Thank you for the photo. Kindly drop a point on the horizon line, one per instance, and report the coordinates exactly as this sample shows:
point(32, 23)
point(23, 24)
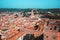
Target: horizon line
point(29, 8)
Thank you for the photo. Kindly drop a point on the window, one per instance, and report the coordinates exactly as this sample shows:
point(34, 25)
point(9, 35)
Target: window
point(50, 28)
point(0, 37)
point(19, 30)
point(55, 27)
point(46, 36)
point(59, 30)
point(53, 37)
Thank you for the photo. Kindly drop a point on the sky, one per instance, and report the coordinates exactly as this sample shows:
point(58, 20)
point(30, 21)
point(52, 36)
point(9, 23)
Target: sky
point(29, 3)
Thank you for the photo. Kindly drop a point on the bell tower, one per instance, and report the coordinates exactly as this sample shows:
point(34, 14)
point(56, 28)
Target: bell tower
point(32, 14)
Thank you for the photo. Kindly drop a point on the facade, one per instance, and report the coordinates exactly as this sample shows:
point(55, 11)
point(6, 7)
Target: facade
point(51, 31)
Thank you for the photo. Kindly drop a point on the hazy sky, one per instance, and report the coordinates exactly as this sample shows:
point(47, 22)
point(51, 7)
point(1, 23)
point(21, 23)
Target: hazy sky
point(29, 3)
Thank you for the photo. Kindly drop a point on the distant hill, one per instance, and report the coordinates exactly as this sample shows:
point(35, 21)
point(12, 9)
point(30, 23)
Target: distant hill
point(53, 10)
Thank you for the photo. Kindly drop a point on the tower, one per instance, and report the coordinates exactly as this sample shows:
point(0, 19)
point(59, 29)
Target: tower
point(32, 14)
